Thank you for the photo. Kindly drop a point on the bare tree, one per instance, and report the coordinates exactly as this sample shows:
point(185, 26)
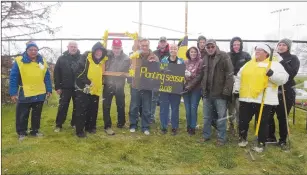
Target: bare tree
point(50, 54)
point(25, 20)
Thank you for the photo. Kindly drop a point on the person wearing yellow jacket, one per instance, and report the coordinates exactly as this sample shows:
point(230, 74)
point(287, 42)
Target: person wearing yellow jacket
point(251, 81)
point(29, 85)
point(88, 76)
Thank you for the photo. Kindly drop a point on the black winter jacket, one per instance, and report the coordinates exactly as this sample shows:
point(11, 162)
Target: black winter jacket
point(63, 73)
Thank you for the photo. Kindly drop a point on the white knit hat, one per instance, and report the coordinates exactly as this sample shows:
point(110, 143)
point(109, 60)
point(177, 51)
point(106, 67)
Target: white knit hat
point(265, 47)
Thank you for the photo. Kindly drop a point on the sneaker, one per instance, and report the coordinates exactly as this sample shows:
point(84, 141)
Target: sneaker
point(220, 143)
point(120, 126)
point(163, 131)
point(188, 129)
point(259, 148)
point(38, 134)
point(283, 145)
point(109, 131)
point(92, 131)
point(132, 130)
point(203, 140)
point(146, 132)
point(57, 129)
point(243, 143)
point(81, 135)
point(192, 131)
point(21, 137)
point(197, 126)
point(174, 131)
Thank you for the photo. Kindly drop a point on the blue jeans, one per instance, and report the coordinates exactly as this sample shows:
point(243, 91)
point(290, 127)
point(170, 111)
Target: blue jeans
point(140, 98)
point(191, 102)
point(155, 99)
point(168, 100)
point(221, 108)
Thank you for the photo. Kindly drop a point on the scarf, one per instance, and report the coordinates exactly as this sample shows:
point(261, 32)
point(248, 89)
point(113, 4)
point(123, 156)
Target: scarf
point(165, 51)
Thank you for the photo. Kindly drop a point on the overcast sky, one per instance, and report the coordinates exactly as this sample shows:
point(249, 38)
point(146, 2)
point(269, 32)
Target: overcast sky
point(218, 20)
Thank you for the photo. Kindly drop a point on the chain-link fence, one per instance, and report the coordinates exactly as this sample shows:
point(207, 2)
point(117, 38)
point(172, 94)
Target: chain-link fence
point(51, 49)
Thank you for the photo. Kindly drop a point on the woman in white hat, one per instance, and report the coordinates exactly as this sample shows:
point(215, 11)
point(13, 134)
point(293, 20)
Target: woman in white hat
point(251, 81)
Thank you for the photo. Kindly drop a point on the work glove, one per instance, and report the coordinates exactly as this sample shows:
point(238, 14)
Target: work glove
point(187, 73)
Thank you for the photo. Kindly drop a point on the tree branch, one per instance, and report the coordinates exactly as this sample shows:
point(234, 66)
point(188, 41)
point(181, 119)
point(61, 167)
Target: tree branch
point(31, 11)
point(8, 13)
point(23, 25)
point(35, 32)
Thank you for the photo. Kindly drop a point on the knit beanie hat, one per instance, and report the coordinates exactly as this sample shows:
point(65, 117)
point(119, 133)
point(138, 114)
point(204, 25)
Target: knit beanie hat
point(30, 44)
point(286, 41)
point(265, 47)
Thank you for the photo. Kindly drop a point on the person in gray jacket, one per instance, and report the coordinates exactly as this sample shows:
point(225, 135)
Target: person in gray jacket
point(114, 86)
point(217, 81)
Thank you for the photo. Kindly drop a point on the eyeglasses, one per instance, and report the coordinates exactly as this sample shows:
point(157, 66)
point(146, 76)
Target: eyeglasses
point(212, 47)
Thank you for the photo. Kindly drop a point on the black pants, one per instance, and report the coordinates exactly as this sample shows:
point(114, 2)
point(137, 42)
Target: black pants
point(281, 116)
point(86, 112)
point(64, 101)
point(247, 111)
point(108, 93)
point(22, 116)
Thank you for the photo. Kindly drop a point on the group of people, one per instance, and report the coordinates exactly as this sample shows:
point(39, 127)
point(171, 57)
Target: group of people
point(233, 82)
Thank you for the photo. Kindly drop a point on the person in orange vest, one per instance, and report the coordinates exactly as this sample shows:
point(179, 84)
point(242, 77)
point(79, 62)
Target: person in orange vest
point(88, 75)
point(29, 85)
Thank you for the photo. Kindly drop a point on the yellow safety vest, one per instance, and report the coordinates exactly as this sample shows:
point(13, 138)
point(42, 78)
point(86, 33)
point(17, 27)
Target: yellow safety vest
point(254, 79)
point(94, 74)
point(32, 77)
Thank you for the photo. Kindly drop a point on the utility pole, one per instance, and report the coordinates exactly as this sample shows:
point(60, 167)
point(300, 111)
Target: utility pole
point(279, 11)
point(140, 19)
point(186, 19)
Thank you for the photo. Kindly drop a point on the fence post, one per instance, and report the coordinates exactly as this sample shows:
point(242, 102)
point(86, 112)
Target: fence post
point(9, 47)
point(61, 47)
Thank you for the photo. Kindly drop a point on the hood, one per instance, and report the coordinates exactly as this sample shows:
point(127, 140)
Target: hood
point(198, 53)
point(201, 37)
point(96, 46)
point(233, 40)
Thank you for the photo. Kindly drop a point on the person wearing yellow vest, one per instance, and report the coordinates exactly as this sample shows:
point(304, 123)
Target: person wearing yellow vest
point(88, 75)
point(251, 81)
point(29, 85)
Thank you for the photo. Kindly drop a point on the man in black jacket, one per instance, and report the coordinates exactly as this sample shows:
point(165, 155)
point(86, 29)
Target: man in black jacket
point(64, 83)
point(238, 58)
point(88, 74)
point(114, 86)
point(291, 64)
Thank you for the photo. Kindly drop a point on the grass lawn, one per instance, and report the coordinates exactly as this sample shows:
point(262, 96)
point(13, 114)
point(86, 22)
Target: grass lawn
point(126, 153)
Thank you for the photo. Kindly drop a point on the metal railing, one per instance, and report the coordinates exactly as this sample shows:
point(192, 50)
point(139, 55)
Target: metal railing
point(58, 43)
